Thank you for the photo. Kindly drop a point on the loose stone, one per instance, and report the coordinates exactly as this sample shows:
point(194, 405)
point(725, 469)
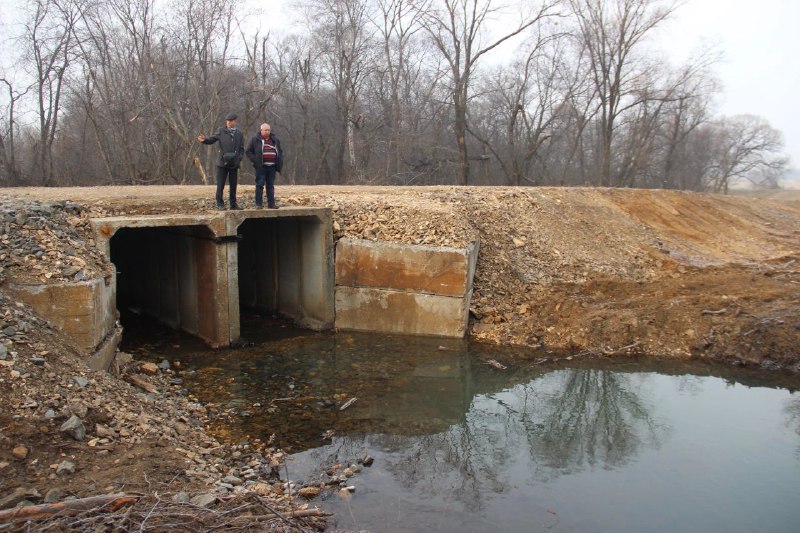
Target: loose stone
point(54, 495)
point(65, 467)
point(232, 480)
point(74, 428)
point(203, 500)
point(20, 452)
point(149, 368)
point(309, 492)
point(181, 497)
point(19, 495)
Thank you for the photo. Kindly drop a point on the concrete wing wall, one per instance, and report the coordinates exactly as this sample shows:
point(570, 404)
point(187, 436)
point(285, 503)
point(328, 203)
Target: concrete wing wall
point(86, 310)
point(396, 288)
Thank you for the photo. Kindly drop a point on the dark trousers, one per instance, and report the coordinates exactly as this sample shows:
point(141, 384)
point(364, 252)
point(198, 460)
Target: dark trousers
point(265, 175)
point(231, 175)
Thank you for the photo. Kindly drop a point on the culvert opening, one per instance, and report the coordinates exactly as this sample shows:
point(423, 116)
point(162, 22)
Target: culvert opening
point(167, 274)
point(198, 273)
point(285, 271)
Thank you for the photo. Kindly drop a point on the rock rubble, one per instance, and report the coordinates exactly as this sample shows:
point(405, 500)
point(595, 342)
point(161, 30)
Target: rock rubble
point(67, 431)
point(49, 241)
point(599, 271)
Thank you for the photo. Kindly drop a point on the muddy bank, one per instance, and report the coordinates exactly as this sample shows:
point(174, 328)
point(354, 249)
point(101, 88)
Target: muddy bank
point(598, 271)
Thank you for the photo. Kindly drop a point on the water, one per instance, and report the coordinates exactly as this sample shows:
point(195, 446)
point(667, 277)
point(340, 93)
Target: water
point(460, 445)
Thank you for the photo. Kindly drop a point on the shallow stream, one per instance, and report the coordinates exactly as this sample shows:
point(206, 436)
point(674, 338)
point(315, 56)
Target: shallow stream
point(463, 445)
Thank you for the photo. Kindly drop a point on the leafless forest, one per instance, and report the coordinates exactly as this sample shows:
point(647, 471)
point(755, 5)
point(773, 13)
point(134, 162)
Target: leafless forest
point(544, 92)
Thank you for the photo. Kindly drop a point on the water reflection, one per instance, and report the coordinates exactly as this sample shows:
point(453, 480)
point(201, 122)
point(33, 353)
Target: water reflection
point(591, 417)
point(563, 421)
point(792, 411)
point(460, 445)
point(295, 389)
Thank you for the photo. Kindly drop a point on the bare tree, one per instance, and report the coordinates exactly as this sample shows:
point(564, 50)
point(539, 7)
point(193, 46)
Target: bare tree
point(11, 173)
point(300, 102)
point(688, 110)
point(117, 89)
point(569, 150)
point(346, 45)
point(51, 42)
point(745, 146)
point(371, 91)
point(611, 32)
point(397, 25)
point(197, 77)
point(523, 100)
point(266, 74)
point(457, 29)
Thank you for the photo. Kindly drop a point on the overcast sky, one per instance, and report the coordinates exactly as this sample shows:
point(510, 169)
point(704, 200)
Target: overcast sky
point(760, 68)
point(760, 43)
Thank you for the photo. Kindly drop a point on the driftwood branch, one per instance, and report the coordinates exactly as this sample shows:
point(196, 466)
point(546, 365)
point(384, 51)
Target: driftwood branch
point(139, 382)
point(303, 513)
point(622, 350)
point(348, 403)
point(496, 364)
point(106, 502)
point(298, 399)
point(625, 348)
point(292, 514)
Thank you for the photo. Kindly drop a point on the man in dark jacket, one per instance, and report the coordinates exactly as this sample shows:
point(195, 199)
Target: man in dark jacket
point(264, 151)
point(231, 151)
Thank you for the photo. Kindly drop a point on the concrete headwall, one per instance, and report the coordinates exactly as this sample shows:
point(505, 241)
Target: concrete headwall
point(194, 272)
point(86, 311)
point(396, 288)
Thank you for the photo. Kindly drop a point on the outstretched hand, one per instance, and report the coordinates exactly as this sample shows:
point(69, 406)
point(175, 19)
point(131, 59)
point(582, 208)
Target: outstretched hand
point(201, 138)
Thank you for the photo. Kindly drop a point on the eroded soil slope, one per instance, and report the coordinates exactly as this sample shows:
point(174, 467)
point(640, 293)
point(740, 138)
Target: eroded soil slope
point(599, 270)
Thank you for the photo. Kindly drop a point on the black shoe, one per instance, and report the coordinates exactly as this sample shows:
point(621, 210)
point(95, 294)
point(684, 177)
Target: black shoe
point(259, 206)
point(235, 207)
point(220, 207)
point(273, 206)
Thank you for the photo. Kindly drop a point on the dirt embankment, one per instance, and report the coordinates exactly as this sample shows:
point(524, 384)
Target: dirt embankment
point(601, 271)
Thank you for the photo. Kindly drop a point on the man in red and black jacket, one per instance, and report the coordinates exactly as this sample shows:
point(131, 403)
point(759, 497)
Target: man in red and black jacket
point(264, 151)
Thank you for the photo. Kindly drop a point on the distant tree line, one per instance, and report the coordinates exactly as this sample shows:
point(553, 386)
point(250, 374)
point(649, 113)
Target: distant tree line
point(406, 92)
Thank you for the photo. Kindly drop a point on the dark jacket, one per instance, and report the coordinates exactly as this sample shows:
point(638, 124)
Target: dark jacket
point(228, 144)
point(255, 150)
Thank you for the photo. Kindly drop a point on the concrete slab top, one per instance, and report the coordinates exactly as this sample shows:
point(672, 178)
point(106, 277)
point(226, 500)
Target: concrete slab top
point(186, 219)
